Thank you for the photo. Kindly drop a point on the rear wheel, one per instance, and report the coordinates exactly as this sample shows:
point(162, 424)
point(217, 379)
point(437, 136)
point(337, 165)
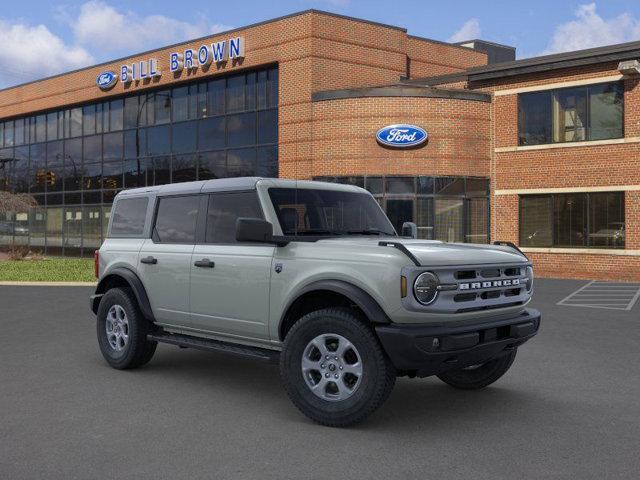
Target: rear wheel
point(334, 369)
point(122, 331)
point(479, 376)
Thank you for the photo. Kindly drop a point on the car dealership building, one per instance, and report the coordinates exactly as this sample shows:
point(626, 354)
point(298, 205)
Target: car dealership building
point(542, 152)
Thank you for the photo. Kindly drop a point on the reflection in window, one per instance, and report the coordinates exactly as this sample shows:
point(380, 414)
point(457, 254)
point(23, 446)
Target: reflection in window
point(595, 220)
point(593, 112)
point(241, 129)
point(267, 162)
point(211, 133)
point(477, 213)
point(73, 156)
point(241, 163)
point(161, 170)
point(424, 218)
point(224, 209)
point(449, 214)
point(184, 168)
point(184, 137)
point(176, 219)
point(212, 165)
point(158, 140)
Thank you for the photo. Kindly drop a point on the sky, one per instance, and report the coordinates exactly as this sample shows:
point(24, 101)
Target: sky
point(39, 38)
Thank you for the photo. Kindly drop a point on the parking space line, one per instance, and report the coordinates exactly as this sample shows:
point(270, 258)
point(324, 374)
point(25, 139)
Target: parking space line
point(612, 296)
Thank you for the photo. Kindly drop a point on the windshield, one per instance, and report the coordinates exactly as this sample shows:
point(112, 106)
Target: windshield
point(328, 212)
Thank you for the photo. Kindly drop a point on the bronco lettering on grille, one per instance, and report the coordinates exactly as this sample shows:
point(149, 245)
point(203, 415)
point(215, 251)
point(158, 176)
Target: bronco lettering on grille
point(491, 284)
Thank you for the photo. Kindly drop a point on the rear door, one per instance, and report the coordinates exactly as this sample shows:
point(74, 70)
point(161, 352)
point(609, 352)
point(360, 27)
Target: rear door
point(230, 280)
point(164, 262)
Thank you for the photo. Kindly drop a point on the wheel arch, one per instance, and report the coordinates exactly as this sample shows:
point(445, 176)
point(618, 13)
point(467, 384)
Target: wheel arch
point(327, 293)
point(126, 278)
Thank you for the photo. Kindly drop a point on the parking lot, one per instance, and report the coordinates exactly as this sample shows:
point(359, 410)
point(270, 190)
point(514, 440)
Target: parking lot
point(569, 408)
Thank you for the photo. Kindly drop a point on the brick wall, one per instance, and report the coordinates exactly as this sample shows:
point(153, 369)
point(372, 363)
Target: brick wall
point(344, 141)
point(430, 58)
point(566, 167)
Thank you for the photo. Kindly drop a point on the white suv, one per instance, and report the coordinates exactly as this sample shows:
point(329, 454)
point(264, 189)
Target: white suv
point(313, 275)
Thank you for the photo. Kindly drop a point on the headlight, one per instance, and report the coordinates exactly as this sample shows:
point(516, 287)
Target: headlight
point(529, 280)
point(425, 288)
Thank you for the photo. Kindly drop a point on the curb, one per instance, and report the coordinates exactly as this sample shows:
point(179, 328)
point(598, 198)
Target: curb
point(49, 284)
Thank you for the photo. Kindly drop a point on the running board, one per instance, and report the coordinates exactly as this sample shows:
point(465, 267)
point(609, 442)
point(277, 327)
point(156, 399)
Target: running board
point(210, 345)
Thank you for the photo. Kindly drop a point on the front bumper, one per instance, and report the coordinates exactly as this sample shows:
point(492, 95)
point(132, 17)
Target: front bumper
point(426, 350)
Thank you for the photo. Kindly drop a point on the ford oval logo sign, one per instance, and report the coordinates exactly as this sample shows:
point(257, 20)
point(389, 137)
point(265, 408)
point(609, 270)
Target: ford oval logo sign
point(401, 136)
point(106, 80)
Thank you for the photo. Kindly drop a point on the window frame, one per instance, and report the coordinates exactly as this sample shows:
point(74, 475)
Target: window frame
point(202, 239)
point(588, 196)
point(142, 234)
point(552, 93)
point(153, 235)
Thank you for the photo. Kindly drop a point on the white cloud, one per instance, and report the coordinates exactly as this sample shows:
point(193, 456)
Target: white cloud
point(98, 32)
point(469, 31)
point(28, 52)
point(104, 29)
point(589, 29)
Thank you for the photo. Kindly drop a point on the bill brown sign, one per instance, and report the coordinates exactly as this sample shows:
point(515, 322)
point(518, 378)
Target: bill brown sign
point(189, 59)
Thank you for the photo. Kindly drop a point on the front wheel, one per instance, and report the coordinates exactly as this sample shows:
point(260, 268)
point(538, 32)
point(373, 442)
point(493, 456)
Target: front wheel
point(479, 376)
point(334, 369)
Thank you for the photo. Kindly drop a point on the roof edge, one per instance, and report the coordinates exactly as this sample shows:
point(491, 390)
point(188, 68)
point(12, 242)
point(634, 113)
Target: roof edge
point(400, 91)
point(556, 61)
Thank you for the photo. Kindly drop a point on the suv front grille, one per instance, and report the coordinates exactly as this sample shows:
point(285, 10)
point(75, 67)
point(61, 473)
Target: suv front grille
point(467, 289)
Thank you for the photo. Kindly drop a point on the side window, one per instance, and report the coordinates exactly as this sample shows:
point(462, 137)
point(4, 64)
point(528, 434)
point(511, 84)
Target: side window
point(128, 217)
point(176, 219)
point(224, 210)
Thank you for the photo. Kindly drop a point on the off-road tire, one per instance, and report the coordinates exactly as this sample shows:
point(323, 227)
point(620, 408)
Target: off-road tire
point(378, 377)
point(138, 351)
point(482, 376)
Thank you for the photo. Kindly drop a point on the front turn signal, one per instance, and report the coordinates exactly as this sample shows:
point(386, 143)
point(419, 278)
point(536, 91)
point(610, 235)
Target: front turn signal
point(403, 286)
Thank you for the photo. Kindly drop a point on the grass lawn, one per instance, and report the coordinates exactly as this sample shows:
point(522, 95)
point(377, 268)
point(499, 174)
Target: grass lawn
point(48, 270)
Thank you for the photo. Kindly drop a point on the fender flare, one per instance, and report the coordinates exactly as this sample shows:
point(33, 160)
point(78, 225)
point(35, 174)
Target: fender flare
point(134, 282)
point(369, 306)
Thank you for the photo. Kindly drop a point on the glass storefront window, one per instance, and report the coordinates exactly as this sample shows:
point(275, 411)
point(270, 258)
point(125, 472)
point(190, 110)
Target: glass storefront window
point(578, 220)
point(400, 185)
point(77, 159)
point(443, 208)
point(212, 165)
point(449, 219)
point(576, 114)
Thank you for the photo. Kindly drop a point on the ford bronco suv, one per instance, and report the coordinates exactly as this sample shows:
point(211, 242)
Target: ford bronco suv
point(312, 275)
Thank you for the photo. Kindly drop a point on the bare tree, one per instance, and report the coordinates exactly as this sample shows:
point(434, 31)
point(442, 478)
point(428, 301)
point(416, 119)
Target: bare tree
point(16, 202)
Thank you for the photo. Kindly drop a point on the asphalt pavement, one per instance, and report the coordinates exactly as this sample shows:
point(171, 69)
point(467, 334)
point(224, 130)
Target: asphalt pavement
point(568, 408)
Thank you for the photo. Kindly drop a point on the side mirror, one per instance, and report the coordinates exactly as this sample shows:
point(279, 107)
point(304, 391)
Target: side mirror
point(254, 230)
point(409, 229)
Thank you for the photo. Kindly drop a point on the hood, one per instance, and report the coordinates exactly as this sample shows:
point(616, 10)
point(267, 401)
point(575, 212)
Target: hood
point(436, 253)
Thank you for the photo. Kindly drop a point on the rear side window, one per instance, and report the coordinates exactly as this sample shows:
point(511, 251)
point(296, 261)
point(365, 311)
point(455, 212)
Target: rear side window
point(128, 217)
point(224, 210)
point(176, 219)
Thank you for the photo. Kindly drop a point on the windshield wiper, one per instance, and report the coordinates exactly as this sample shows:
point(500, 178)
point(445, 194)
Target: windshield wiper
point(369, 231)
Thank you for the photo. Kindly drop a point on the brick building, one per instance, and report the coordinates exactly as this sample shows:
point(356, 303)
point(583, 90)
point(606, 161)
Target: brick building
point(539, 152)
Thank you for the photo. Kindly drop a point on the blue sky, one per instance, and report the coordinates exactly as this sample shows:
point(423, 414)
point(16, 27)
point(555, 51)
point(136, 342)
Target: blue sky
point(43, 37)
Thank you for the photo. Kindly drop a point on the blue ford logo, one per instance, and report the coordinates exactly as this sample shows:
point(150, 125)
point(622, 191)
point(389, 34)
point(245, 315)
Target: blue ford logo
point(401, 136)
point(106, 80)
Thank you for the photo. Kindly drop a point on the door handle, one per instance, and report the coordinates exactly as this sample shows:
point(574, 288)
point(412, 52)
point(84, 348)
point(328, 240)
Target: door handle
point(149, 260)
point(204, 263)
